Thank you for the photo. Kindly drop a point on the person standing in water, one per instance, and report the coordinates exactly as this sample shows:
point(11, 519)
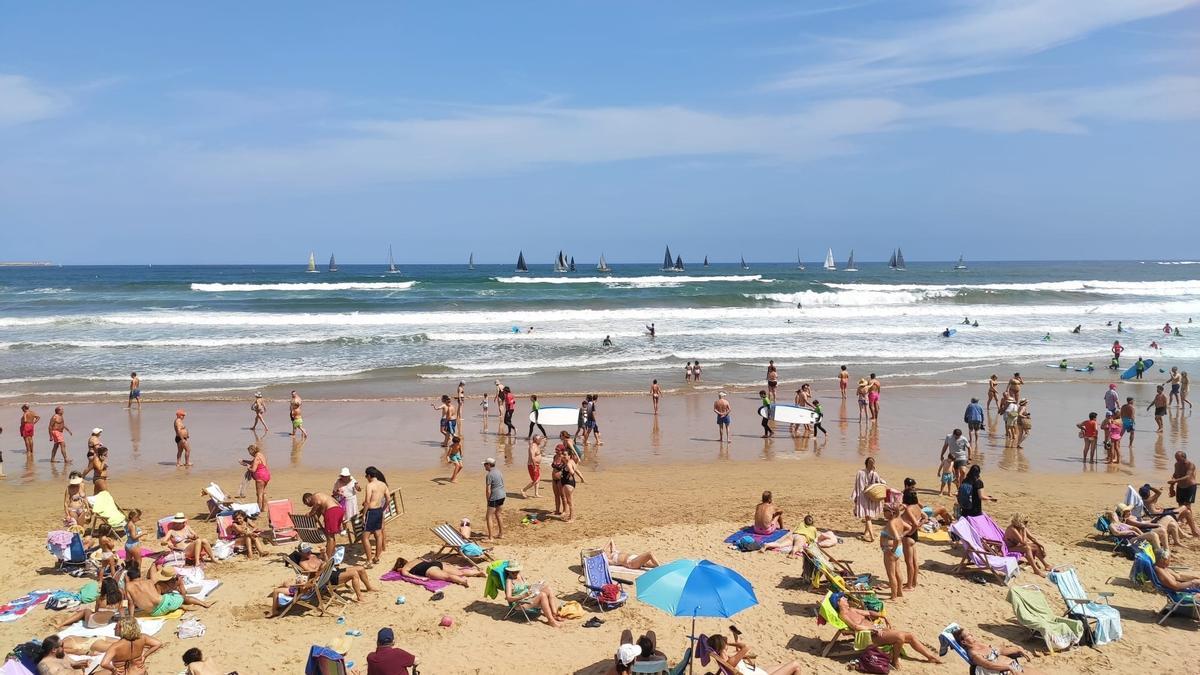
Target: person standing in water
point(183, 444)
point(993, 393)
point(1174, 380)
point(297, 415)
point(655, 394)
point(534, 408)
point(1127, 414)
point(1160, 407)
point(58, 425)
point(973, 417)
point(873, 389)
point(687, 372)
point(1116, 352)
point(772, 379)
point(135, 391)
point(722, 410)
point(843, 380)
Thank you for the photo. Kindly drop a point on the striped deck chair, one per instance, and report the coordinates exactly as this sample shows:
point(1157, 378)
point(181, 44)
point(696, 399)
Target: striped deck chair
point(595, 576)
point(308, 528)
point(317, 593)
point(279, 517)
point(825, 569)
point(1102, 622)
point(453, 543)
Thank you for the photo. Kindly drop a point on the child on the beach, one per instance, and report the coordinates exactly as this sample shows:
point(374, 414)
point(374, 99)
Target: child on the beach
point(1113, 429)
point(484, 404)
point(455, 451)
point(946, 474)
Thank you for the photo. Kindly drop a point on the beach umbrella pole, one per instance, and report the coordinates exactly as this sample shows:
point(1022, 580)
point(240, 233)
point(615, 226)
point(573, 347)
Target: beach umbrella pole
point(695, 648)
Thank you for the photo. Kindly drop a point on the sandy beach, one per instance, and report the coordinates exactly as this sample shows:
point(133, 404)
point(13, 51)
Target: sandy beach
point(663, 487)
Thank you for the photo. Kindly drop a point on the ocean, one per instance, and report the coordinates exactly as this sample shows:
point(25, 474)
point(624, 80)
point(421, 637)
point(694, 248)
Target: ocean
point(218, 332)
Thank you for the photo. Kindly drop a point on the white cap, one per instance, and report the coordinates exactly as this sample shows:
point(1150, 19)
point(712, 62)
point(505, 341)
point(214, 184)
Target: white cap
point(721, 395)
point(97, 431)
point(626, 653)
point(490, 460)
point(345, 472)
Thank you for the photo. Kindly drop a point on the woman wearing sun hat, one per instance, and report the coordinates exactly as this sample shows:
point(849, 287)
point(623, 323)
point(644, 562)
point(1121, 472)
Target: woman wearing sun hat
point(345, 491)
point(182, 539)
point(76, 510)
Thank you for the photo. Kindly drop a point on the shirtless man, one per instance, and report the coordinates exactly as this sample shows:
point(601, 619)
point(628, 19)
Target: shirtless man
point(297, 416)
point(722, 409)
point(1160, 407)
point(772, 379)
point(843, 380)
point(311, 562)
point(376, 500)
point(1183, 486)
point(54, 659)
point(1175, 580)
point(1128, 412)
point(143, 594)
point(1174, 380)
point(445, 420)
point(993, 394)
point(57, 426)
point(534, 464)
point(195, 664)
point(1014, 386)
point(135, 392)
point(873, 389)
point(332, 516)
point(655, 394)
point(183, 443)
point(767, 518)
point(29, 419)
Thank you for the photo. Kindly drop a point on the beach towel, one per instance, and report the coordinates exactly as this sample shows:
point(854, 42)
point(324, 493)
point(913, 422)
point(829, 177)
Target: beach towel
point(431, 585)
point(1108, 619)
point(105, 506)
point(1006, 567)
point(748, 531)
point(109, 630)
point(494, 585)
point(1034, 613)
point(14, 667)
point(935, 537)
point(19, 607)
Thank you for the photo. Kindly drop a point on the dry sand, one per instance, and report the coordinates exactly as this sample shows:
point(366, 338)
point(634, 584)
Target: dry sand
point(681, 505)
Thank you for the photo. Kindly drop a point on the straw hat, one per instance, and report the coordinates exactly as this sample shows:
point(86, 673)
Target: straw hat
point(179, 518)
point(514, 566)
point(166, 573)
point(340, 644)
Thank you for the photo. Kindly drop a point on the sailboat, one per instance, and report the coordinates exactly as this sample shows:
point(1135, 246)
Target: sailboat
point(900, 260)
point(571, 267)
point(471, 261)
point(892, 260)
point(706, 261)
point(332, 263)
point(850, 263)
point(560, 263)
point(799, 264)
point(829, 266)
point(603, 266)
point(521, 266)
point(312, 263)
point(961, 265)
point(668, 266)
point(391, 262)
point(678, 264)
point(744, 265)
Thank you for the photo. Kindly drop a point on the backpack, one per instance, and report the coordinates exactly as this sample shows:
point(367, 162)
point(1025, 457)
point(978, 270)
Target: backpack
point(747, 544)
point(965, 492)
point(874, 660)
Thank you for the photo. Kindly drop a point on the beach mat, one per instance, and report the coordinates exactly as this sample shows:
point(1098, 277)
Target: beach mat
point(760, 538)
point(431, 585)
point(19, 607)
point(935, 537)
point(148, 626)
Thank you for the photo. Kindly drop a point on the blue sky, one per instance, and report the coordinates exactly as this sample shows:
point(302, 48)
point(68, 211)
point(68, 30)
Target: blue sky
point(255, 132)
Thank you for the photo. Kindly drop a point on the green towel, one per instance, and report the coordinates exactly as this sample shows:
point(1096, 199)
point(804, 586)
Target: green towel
point(89, 592)
point(1034, 613)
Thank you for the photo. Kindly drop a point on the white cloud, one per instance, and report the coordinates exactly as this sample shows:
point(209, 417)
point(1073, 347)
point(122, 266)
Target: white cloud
point(22, 101)
point(980, 39)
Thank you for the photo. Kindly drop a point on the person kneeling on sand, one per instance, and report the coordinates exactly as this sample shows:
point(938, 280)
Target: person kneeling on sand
point(881, 636)
point(434, 570)
point(734, 657)
point(991, 659)
point(531, 596)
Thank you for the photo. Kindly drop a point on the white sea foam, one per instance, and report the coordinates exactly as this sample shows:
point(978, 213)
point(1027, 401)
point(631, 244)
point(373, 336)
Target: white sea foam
point(1160, 288)
point(170, 342)
point(340, 286)
point(632, 282)
point(556, 364)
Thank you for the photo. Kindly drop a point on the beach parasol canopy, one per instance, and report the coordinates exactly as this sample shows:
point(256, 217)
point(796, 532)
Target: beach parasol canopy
point(696, 588)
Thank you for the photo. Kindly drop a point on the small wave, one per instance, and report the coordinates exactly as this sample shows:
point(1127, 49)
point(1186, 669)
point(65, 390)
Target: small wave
point(1177, 262)
point(1188, 287)
point(42, 291)
point(631, 282)
point(344, 286)
point(555, 364)
point(852, 298)
point(473, 376)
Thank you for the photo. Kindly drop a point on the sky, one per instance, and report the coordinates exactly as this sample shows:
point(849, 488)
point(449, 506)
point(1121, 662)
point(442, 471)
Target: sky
point(257, 132)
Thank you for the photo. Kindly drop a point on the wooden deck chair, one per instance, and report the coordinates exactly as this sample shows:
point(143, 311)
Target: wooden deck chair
point(825, 569)
point(975, 557)
point(317, 593)
point(595, 576)
point(279, 517)
point(453, 543)
point(308, 528)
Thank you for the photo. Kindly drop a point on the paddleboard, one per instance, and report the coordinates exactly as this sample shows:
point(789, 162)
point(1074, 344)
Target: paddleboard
point(556, 415)
point(1131, 372)
point(948, 333)
point(788, 414)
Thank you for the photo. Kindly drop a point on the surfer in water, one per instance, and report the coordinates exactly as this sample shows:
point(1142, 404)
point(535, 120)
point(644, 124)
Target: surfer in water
point(1120, 328)
point(966, 321)
point(946, 333)
point(975, 323)
point(1077, 328)
point(650, 330)
point(1046, 337)
point(607, 342)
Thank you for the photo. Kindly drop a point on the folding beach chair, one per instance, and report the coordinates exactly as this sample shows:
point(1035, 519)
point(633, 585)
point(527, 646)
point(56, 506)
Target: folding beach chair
point(71, 558)
point(1033, 612)
point(976, 559)
point(325, 661)
point(279, 517)
point(655, 667)
point(495, 588)
point(705, 655)
point(1122, 543)
point(947, 642)
point(105, 509)
point(1101, 623)
point(1143, 567)
point(453, 543)
point(317, 593)
point(991, 537)
point(308, 529)
point(596, 575)
point(824, 568)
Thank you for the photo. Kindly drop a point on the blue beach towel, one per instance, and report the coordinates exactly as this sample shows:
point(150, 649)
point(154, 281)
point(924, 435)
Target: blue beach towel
point(748, 531)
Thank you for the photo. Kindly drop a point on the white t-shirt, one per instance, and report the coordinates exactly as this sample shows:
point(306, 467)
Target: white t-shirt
point(958, 447)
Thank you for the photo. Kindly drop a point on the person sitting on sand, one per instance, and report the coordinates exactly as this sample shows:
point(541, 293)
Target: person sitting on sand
point(109, 603)
point(430, 569)
point(1019, 537)
point(246, 534)
point(991, 659)
point(531, 596)
point(767, 518)
point(641, 561)
point(1172, 579)
point(734, 656)
point(194, 663)
point(1117, 527)
point(1165, 524)
point(629, 652)
point(144, 594)
point(180, 537)
point(127, 656)
point(387, 659)
point(881, 635)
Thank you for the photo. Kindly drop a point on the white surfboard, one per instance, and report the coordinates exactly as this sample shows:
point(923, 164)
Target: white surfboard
point(556, 415)
point(788, 414)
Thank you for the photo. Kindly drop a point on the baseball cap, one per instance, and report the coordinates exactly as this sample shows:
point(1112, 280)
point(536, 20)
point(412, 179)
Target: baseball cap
point(490, 460)
point(385, 636)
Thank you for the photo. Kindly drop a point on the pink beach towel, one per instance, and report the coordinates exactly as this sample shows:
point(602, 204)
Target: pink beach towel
point(431, 585)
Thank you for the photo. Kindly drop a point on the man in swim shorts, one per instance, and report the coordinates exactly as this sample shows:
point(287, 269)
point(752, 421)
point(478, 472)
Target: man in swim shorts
point(1127, 414)
point(767, 517)
point(144, 596)
point(29, 419)
point(444, 420)
point(135, 391)
point(376, 499)
point(1160, 407)
point(973, 416)
point(297, 416)
point(722, 409)
point(1174, 380)
point(58, 425)
point(332, 516)
point(873, 389)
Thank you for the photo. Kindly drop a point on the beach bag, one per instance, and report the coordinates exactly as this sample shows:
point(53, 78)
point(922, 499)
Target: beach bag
point(571, 610)
point(874, 660)
point(472, 550)
point(610, 593)
point(876, 492)
point(747, 544)
point(222, 549)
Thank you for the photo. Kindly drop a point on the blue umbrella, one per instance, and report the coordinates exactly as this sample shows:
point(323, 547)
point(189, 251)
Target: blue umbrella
point(696, 588)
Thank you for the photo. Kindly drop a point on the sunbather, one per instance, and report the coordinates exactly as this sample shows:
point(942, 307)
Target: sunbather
point(1157, 538)
point(1165, 524)
point(641, 561)
point(352, 576)
point(767, 517)
point(434, 570)
point(108, 605)
point(247, 535)
point(794, 543)
point(734, 656)
point(144, 594)
point(533, 596)
point(53, 659)
point(1019, 537)
point(992, 659)
point(128, 655)
point(885, 635)
point(1175, 580)
point(76, 511)
point(181, 538)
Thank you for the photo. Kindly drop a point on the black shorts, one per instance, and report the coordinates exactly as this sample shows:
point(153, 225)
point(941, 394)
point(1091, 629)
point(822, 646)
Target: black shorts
point(960, 463)
point(975, 426)
point(374, 520)
point(335, 577)
point(1160, 412)
point(496, 503)
point(1185, 496)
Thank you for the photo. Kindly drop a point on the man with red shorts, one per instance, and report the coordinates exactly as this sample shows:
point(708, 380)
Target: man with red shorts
point(28, 420)
point(332, 517)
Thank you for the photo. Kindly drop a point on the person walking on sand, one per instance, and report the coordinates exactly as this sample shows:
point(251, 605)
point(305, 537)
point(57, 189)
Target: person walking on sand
point(455, 457)
point(443, 408)
point(592, 420)
point(58, 426)
point(297, 415)
point(510, 406)
point(843, 380)
point(534, 408)
point(183, 443)
point(1174, 380)
point(765, 405)
point(1160, 407)
point(533, 464)
point(873, 389)
point(722, 409)
point(959, 451)
point(861, 393)
point(772, 379)
point(993, 392)
point(135, 392)
point(495, 494)
point(260, 411)
point(866, 508)
point(375, 498)
point(1128, 411)
point(1184, 386)
point(1014, 386)
point(973, 417)
point(29, 420)
point(655, 394)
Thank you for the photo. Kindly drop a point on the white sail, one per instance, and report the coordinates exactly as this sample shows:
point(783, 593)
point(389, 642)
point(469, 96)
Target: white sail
point(603, 265)
point(744, 265)
point(799, 263)
point(391, 262)
point(312, 262)
point(829, 260)
point(961, 265)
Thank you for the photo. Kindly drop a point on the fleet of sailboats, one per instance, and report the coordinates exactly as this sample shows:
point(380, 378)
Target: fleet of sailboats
point(850, 263)
point(829, 266)
point(560, 263)
point(896, 262)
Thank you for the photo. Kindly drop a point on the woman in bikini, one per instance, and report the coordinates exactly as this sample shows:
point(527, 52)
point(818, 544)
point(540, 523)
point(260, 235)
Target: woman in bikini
point(890, 543)
point(182, 539)
point(882, 633)
point(76, 511)
point(247, 535)
point(108, 539)
point(428, 569)
point(109, 603)
point(1019, 537)
point(993, 392)
point(556, 467)
point(567, 476)
point(734, 657)
point(643, 561)
point(98, 467)
point(133, 538)
point(128, 655)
